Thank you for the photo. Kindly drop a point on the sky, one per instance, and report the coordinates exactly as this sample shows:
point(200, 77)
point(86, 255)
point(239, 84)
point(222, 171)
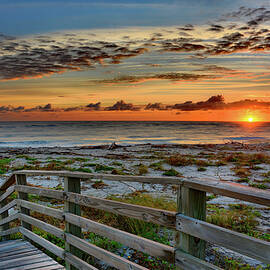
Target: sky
point(186, 60)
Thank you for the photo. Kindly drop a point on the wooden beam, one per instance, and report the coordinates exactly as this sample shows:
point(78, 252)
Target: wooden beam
point(102, 254)
point(6, 194)
point(3, 216)
point(241, 243)
point(59, 252)
point(192, 203)
point(148, 214)
point(9, 182)
point(43, 226)
point(21, 180)
point(78, 263)
point(72, 184)
point(9, 219)
point(8, 206)
point(233, 190)
point(133, 241)
point(9, 231)
point(49, 211)
point(110, 177)
point(189, 262)
point(56, 194)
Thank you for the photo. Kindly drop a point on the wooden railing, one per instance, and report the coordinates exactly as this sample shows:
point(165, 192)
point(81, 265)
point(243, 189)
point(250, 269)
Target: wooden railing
point(188, 221)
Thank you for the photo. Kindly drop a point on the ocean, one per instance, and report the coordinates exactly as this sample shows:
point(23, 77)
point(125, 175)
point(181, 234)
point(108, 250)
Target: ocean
point(50, 134)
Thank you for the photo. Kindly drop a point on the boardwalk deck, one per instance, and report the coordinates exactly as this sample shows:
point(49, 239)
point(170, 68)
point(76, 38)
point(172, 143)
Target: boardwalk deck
point(21, 255)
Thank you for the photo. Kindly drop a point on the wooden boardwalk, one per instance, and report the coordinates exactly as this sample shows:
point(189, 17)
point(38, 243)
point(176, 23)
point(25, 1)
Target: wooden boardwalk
point(21, 255)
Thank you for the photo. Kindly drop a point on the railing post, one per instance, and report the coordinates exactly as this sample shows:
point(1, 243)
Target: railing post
point(192, 203)
point(72, 184)
point(2, 216)
point(21, 180)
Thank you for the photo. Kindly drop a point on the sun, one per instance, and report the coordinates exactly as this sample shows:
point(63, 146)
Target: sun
point(250, 119)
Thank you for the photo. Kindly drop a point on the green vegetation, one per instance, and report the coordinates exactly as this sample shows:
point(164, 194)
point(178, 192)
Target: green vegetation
point(201, 169)
point(157, 166)
point(4, 165)
point(172, 172)
point(142, 169)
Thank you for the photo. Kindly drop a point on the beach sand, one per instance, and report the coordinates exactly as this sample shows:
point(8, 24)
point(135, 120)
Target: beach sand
point(248, 164)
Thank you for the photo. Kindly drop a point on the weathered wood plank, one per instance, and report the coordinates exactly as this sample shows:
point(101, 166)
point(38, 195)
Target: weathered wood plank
point(188, 262)
point(22, 261)
point(17, 250)
point(102, 254)
point(43, 226)
point(3, 216)
point(47, 265)
point(8, 192)
point(133, 241)
point(21, 180)
point(73, 185)
point(80, 264)
point(21, 255)
point(56, 194)
point(241, 243)
point(9, 182)
point(49, 211)
point(11, 244)
point(43, 242)
point(232, 190)
point(110, 177)
point(191, 203)
point(9, 231)
point(8, 206)
point(161, 217)
point(9, 219)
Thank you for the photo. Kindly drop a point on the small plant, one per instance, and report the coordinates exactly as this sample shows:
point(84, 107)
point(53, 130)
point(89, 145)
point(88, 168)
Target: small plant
point(201, 169)
point(257, 185)
point(99, 185)
point(142, 169)
point(172, 172)
point(101, 167)
point(157, 166)
point(179, 160)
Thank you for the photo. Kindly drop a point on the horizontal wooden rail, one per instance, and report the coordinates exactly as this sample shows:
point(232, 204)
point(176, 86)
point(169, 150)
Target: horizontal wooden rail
point(9, 218)
point(9, 182)
point(252, 247)
point(233, 190)
point(8, 206)
point(102, 254)
point(110, 177)
point(56, 194)
point(148, 214)
point(49, 211)
point(43, 226)
point(187, 261)
point(133, 241)
point(9, 231)
point(59, 252)
point(8, 192)
point(77, 262)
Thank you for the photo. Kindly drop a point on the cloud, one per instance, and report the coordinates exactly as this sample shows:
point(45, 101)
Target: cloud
point(93, 106)
point(243, 30)
point(122, 106)
point(173, 76)
point(45, 108)
point(213, 103)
